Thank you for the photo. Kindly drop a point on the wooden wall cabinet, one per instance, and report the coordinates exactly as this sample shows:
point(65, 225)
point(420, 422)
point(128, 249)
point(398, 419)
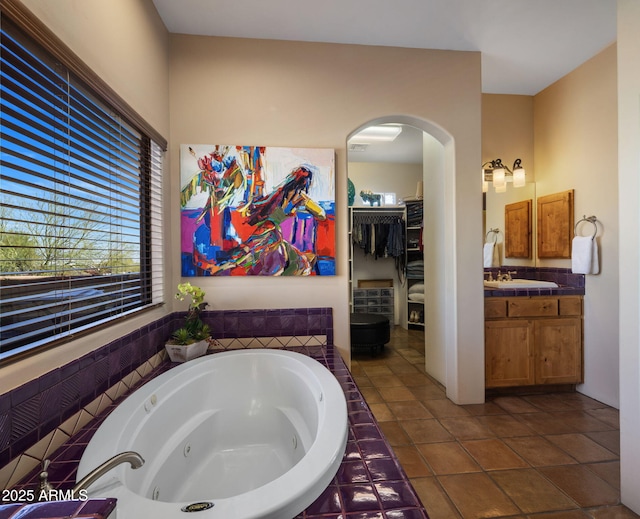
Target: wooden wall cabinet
point(533, 341)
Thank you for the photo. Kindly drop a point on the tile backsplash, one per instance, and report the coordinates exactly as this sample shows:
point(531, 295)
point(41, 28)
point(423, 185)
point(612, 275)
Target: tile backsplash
point(39, 416)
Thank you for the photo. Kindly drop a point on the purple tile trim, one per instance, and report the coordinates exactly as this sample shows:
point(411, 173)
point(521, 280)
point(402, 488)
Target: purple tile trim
point(570, 284)
point(370, 482)
point(31, 411)
point(95, 509)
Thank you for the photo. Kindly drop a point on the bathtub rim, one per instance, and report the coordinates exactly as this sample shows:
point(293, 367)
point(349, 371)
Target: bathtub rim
point(326, 448)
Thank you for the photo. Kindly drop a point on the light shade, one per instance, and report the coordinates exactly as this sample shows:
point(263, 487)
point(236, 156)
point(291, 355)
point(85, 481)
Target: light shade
point(501, 188)
point(499, 179)
point(519, 177)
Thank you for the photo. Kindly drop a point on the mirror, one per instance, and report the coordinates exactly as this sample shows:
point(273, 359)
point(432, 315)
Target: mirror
point(494, 217)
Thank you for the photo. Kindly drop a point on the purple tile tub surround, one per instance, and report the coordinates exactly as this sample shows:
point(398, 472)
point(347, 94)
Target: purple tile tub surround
point(92, 509)
point(369, 483)
point(32, 411)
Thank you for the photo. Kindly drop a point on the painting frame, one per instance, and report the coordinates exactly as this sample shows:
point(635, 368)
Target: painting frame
point(257, 210)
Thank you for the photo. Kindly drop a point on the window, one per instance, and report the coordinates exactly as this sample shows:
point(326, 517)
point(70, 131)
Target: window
point(80, 203)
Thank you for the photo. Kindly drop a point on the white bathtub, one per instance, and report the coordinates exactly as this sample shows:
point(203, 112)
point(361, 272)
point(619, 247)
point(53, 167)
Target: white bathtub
point(255, 433)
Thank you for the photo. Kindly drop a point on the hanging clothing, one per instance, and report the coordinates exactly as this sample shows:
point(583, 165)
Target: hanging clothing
point(381, 236)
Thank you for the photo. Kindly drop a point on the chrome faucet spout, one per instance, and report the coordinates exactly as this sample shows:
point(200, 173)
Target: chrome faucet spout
point(131, 457)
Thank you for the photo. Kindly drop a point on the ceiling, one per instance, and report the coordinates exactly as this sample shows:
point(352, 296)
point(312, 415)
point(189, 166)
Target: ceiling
point(525, 45)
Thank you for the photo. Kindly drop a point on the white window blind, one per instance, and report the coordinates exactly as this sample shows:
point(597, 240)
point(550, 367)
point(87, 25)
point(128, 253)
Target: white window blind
point(81, 204)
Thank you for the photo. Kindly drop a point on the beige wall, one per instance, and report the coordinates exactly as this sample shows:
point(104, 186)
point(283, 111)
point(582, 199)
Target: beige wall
point(507, 130)
point(274, 93)
point(384, 177)
point(629, 190)
point(507, 134)
point(127, 45)
point(576, 147)
point(124, 42)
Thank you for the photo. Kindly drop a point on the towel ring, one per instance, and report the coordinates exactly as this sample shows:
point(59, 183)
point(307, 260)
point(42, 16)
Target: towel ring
point(495, 232)
point(592, 220)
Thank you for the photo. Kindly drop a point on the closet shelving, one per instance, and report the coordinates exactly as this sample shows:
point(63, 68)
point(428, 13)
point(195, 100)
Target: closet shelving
point(414, 263)
point(358, 214)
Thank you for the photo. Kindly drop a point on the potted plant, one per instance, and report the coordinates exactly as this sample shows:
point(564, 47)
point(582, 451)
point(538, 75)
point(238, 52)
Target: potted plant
point(192, 339)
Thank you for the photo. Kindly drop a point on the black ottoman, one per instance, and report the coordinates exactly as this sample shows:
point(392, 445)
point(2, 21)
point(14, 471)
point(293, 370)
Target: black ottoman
point(369, 331)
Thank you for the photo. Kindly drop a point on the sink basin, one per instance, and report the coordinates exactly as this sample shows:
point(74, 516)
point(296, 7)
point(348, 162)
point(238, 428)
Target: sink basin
point(520, 283)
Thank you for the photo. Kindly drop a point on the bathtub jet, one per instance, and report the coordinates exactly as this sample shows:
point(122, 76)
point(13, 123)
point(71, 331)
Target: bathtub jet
point(235, 435)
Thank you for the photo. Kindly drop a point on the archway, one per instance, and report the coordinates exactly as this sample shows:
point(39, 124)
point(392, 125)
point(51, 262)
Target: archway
point(445, 360)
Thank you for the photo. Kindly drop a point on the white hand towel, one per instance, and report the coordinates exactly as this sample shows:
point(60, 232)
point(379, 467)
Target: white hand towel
point(490, 255)
point(584, 255)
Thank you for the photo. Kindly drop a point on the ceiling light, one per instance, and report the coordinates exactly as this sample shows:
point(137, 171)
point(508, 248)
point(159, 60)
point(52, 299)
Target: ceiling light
point(381, 133)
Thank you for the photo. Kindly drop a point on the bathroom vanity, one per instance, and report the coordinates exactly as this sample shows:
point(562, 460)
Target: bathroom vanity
point(533, 340)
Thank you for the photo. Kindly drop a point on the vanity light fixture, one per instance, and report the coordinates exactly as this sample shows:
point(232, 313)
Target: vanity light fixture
point(499, 174)
point(379, 133)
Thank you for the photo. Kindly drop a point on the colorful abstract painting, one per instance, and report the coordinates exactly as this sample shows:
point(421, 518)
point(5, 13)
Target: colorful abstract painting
point(257, 211)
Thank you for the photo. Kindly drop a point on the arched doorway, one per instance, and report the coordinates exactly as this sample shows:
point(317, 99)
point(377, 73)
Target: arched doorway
point(442, 349)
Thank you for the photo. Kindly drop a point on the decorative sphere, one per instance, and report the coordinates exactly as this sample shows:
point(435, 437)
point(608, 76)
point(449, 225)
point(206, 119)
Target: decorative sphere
point(351, 192)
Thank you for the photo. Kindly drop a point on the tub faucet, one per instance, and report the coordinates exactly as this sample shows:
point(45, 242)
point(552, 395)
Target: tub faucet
point(131, 457)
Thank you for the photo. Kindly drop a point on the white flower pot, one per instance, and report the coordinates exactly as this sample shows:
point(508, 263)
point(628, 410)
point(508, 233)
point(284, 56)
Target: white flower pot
point(184, 353)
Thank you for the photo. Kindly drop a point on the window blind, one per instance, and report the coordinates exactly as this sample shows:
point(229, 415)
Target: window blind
point(81, 204)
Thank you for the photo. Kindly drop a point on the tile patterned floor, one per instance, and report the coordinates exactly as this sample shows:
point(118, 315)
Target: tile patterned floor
point(551, 456)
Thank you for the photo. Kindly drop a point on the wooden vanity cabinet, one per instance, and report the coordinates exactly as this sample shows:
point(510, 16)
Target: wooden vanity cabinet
point(533, 340)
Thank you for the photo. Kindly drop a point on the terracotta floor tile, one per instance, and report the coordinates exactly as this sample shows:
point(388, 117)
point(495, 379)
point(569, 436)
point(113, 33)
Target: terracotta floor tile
point(382, 413)
point(477, 496)
point(435, 499)
point(545, 423)
point(411, 410)
point(429, 392)
point(415, 379)
point(539, 451)
point(583, 421)
point(609, 471)
point(426, 431)
point(582, 485)
point(580, 401)
point(411, 461)
point(371, 395)
point(376, 370)
point(514, 404)
point(466, 428)
point(488, 408)
point(614, 512)
point(362, 380)
point(608, 415)
point(396, 394)
point(494, 454)
point(448, 458)
point(356, 367)
point(583, 449)
point(608, 439)
point(444, 408)
point(546, 402)
point(403, 368)
point(512, 470)
point(395, 434)
point(531, 491)
point(389, 380)
point(565, 514)
point(505, 426)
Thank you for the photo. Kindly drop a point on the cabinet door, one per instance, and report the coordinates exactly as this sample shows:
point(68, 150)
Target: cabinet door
point(509, 353)
point(558, 350)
